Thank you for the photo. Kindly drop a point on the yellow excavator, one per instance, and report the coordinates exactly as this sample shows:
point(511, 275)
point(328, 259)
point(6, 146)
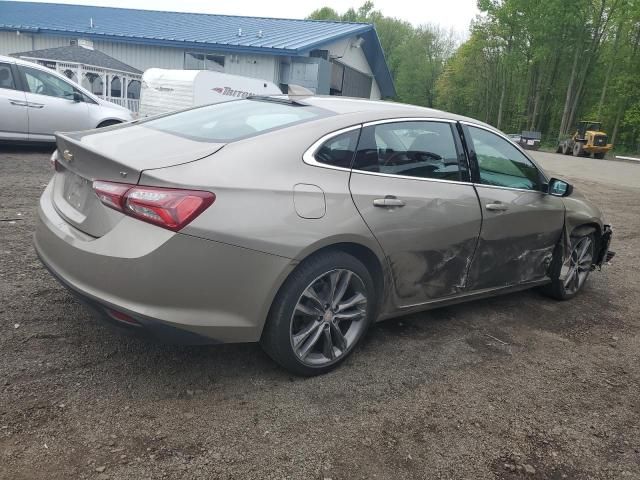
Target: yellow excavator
point(588, 139)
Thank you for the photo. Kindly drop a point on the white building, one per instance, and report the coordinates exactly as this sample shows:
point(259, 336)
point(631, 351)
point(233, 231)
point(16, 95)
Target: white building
point(336, 58)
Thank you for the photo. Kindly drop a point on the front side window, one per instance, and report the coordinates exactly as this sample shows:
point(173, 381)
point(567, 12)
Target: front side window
point(415, 149)
point(500, 163)
point(6, 77)
point(338, 151)
point(229, 121)
point(44, 83)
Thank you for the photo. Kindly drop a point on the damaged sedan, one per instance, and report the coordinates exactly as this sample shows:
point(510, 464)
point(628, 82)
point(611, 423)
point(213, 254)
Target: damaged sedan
point(298, 222)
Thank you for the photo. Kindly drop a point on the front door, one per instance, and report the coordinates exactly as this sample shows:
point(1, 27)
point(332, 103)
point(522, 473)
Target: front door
point(521, 224)
point(407, 184)
point(53, 105)
point(13, 106)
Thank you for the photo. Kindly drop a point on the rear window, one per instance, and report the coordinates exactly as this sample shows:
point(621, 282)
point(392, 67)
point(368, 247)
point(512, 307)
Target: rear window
point(229, 121)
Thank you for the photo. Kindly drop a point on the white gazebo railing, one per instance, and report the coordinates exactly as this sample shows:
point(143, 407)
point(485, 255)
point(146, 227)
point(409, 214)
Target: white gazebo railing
point(115, 86)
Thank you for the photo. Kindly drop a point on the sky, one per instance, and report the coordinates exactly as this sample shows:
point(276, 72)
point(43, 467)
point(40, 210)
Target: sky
point(450, 14)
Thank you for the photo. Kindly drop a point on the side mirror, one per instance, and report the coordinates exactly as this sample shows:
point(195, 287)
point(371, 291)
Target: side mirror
point(77, 97)
point(559, 188)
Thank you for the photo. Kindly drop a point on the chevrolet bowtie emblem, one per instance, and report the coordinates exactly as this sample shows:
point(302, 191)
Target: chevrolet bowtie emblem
point(67, 155)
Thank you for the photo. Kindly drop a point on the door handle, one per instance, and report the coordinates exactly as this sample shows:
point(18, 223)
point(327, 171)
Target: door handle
point(18, 103)
point(35, 105)
point(496, 207)
point(388, 201)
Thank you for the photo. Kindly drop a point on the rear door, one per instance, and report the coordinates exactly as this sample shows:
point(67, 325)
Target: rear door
point(14, 123)
point(408, 182)
point(52, 107)
point(521, 224)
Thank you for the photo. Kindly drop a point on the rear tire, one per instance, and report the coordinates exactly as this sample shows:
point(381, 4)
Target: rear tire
point(566, 150)
point(578, 268)
point(320, 314)
point(598, 156)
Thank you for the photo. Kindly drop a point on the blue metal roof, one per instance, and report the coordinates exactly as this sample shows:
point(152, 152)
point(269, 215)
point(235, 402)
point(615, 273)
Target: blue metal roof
point(273, 36)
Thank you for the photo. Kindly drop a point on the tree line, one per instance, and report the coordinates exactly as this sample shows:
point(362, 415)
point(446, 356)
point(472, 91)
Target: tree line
point(526, 65)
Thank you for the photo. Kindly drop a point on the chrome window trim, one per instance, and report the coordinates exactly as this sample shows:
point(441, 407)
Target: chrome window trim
point(309, 158)
point(499, 187)
point(499, 134)
point(408, 119)
point(407, 177)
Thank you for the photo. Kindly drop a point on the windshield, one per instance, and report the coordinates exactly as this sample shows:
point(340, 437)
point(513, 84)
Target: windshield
point(229, 121)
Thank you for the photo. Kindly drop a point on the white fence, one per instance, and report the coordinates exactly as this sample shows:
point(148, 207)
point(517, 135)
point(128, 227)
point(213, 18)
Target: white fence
point(132, 104)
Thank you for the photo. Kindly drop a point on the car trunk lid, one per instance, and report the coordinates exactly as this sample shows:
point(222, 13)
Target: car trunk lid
point(118, 155)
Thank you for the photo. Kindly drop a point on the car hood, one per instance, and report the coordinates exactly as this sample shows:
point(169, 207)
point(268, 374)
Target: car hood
point(122, 111)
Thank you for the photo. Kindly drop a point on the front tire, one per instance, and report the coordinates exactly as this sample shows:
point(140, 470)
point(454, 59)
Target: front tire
point(320, 314)
point(574, 271)
point(598, 156)
point(577, 149)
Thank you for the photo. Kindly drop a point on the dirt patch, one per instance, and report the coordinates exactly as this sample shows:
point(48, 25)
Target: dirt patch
point(549, 389)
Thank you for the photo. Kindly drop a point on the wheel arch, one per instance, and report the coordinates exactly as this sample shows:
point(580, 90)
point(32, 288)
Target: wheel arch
point(586, 229)
point(370, 256)
point(109, 122)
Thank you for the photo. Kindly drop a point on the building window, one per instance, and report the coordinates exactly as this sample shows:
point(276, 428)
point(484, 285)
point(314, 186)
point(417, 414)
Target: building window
point(203, 61)
point(349, 82)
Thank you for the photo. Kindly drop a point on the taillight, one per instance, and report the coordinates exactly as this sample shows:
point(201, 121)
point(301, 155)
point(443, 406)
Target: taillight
point(166, 207)
point(111, 194)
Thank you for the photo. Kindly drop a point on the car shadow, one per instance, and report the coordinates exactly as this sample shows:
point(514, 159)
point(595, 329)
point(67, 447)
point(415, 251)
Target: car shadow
point(187, 367)
point(22, 148)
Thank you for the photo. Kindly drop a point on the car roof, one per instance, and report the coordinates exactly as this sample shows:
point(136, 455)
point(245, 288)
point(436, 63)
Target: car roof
point(19, 61)
point(5, 59)
point(386, 109)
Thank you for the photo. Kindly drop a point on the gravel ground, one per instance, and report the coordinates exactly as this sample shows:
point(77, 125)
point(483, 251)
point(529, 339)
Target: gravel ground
point(518, 386)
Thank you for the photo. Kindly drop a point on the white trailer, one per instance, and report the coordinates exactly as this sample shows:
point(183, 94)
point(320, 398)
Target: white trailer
point(170, 90)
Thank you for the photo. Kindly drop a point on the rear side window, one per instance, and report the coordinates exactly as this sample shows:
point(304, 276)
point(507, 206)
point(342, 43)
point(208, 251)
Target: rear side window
point(338, 151)
point(420, 149)
point(6, 78)
point(229, 121)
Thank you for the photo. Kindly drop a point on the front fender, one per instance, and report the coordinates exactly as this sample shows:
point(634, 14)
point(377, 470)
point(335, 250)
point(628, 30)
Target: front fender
point(581, 218)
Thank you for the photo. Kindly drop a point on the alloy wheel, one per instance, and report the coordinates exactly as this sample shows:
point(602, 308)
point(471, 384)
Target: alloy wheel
point(579, 265)
point(329, 317)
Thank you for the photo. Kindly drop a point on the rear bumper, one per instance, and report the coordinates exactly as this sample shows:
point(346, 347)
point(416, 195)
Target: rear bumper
point(177, 287)
point(131, 323)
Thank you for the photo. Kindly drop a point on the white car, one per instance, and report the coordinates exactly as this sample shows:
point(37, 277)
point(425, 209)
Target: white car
point(36, 102)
